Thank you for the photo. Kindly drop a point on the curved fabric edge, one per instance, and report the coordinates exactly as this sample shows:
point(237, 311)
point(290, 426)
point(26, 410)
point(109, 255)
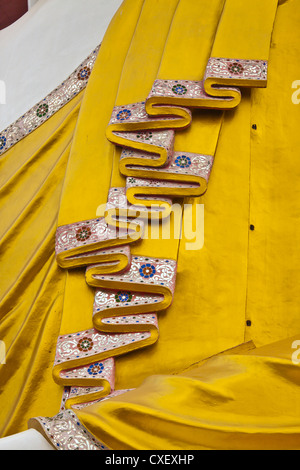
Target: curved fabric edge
point(65, 432)
point(132, 127)
point(51, 104)
point(234, 410)
point(161, 114)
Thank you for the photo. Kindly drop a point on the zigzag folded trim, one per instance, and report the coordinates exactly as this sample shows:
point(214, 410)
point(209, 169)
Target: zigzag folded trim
point(131, 290)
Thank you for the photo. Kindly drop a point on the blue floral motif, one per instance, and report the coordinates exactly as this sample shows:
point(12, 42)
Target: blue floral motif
point(147, 270)
point(124, 115)
point(2, 142)
point(183, 161)
point(123, 297)
point(179, 89)
point(96, 369)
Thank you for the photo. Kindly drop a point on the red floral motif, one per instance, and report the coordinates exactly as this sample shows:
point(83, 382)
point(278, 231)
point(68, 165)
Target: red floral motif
point(84, 73)
point(83, 233)
point(235, 68)
point(144, 135)
point(85, 344)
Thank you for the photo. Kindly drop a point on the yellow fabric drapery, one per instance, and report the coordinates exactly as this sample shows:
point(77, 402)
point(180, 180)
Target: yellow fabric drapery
point(190, 141)
point(216, 299)
point(32, 174)
point(244, 401)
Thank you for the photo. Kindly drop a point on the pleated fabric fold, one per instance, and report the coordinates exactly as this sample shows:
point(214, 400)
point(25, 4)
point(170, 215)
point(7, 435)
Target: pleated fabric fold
point(133, 282)
point(221, 404)
point(95, 295)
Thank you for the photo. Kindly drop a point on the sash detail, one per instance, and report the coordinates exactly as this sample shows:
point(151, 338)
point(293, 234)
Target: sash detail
point(65, 432)
point(254, 71)
point(50, 105)
point(131, 290)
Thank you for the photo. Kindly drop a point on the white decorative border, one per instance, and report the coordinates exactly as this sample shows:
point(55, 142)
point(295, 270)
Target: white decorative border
point(65, 432)
point(47, 107)
point(237, 69)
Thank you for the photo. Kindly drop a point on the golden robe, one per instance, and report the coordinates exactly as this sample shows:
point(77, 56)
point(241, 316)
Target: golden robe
point(237, 294)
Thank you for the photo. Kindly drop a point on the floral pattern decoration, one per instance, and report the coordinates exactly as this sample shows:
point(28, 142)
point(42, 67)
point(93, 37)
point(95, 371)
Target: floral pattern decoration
point(123, 297)
point(85, 344)
point(96, 369)
point(83, 233)
point(182, 161)
point(235, 68)
point(147, 270)
point(84, 73)
point(144, 135)
point(179, 89)
point(42, 110)
point(2, 142)
point(124, 115)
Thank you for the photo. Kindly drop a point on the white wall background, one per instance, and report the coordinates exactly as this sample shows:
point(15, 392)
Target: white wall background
point(31, 3)
point(40, 50)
